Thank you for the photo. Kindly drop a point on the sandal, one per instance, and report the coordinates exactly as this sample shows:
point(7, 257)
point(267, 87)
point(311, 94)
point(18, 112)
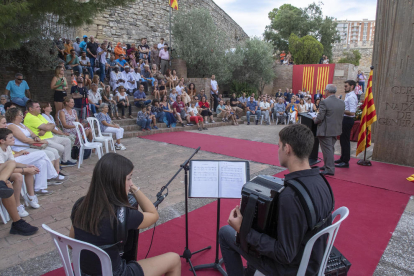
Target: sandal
point(130, 116)
point(123, 117)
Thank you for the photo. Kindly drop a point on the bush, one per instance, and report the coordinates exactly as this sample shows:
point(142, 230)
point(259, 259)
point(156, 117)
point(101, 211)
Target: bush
point(352, 57)
point(242, 87)
point(305, 50)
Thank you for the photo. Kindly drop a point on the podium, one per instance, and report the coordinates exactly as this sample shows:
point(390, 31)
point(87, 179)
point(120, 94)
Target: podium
point(307, 120)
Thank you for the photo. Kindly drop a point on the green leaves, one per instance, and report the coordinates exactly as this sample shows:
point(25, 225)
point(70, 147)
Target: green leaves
point(306, 50)
point(352, 57)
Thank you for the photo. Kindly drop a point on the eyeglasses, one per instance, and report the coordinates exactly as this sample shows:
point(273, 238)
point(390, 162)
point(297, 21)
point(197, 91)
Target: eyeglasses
point(19, 79)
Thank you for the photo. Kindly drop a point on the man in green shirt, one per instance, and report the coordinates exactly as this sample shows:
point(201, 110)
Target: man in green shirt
point(72, 62)
point(42, 128)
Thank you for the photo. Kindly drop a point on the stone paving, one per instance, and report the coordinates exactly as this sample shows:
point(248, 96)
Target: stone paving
point(36, 255)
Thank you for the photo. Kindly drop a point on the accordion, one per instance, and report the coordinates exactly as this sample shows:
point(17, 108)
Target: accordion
point(259, 206)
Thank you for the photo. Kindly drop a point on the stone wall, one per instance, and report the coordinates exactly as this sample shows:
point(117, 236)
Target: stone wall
point(366, 57)
point(150, 19)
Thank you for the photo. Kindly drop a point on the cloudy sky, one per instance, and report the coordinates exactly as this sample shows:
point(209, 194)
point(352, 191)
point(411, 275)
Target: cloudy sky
point(252, 15)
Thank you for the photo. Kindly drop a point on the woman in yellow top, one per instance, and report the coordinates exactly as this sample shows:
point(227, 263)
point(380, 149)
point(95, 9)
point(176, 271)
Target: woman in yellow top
point(293, 110)
point(60, 85)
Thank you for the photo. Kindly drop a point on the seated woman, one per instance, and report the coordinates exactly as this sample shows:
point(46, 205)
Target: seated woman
point(158, 112)
point(94, 98)
point(155, 91)
point(24, 137)
point(169, 113)
point(173, 95)
point(106, 125)
point(168, 77)
point(46, 110)
point(205, 110)
point(317, 102)
point(67, 117)
point(93, 216)
point(292, 109)
point(185, 97)
point(144, 118)
point(310, 107)
point(162, 89)
point(98, 82)
point(222, 112)
point(123, 101)
point(230, 111)
point(108, 98)
point(195, 116)
point(174, 78)
point(301, 106)
point(191, 90)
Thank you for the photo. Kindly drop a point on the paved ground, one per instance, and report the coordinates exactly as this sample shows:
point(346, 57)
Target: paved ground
point(36, 255)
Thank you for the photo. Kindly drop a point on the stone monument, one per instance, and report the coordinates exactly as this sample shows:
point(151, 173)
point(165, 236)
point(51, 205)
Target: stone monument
point(393, 83)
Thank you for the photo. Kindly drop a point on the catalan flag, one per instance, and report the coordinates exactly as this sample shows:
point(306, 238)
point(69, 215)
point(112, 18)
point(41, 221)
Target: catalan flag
point(312, 77)
point(368, 117)
point(174, 4)
point(411, 178)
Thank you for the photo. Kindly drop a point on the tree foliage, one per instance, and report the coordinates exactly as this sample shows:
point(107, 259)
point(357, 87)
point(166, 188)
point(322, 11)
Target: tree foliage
point(252, 63)
point(202, 45)
point(288, 19)
point(306, 50)
point(352, 57)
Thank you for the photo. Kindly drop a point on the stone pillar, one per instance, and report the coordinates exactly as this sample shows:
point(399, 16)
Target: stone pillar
point(180, 66)
point(393, 83)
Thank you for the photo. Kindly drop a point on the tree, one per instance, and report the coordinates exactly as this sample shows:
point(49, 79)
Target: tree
point(288, 19)
point(252, 63)
point(351, 57)
point(306, 50)
point(201, 44)
point(27, 41)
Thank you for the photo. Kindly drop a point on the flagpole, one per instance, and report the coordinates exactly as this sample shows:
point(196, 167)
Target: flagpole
point(170, 35)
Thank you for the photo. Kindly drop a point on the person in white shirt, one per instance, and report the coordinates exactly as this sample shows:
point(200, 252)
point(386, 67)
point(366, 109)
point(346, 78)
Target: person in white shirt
point(102, 60)
point(265, 110)
point(130, 83)
point(214, 90)
point(179, 87)
point(137, 77)
point(310, 107)
point(94, 98)
point(195, 116)
point(116, 79)
point(161, 44)
point(351, 104)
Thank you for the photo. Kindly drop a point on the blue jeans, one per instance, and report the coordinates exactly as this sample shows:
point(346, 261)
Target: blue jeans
point(90, 70)
point(144, 123)
point(77, 68)
point(258, 113)
point(232, 255)
point(93, 109)
point(102, 68)
point(159, 116)
point(139, 104)
point(92, 61)
point(20, 101)
point(362, 83)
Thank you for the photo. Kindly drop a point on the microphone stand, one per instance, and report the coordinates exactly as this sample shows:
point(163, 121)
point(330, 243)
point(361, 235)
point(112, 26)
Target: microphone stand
point(187, 254)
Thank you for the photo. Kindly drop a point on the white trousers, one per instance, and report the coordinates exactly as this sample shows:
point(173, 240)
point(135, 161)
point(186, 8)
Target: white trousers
point(51, 153)
point(42, 162)
point(63, 146)
point(119, 132)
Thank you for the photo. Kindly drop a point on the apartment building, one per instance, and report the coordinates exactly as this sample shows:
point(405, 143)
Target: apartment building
point(359, 33)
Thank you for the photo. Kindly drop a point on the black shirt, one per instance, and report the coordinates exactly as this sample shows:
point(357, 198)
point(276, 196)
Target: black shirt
point(83, 91)
point(286, 252)
point(93, 48)
point(233, 100)
point(89, 262)
point(161, 87)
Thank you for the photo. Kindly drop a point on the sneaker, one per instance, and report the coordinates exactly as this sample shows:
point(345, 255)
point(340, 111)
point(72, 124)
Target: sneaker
point(21, 227)
point(67, 164)
point(213, 121)
point(206, 122)
point(183, 124)
point(22, 212)
point(60, 173)
point(122, 147)
point(155, 127)
point(199, 128)
point(204, 128)
point(54, 182)
point(248, 123)
point(257, 122)
point(33, 202)
point(42, 192)
point(61, 177)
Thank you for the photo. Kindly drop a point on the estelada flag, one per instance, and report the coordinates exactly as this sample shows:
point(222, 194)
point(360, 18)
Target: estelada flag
point(411, 178)
point(368, 117)
point(174, 4)
point(312, 77)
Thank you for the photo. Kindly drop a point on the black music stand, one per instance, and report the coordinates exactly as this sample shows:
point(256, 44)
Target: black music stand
point(307, 120)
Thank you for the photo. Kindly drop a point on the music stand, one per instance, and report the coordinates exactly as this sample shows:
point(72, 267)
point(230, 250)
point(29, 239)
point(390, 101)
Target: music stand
point(307, 120)
point(217, 261)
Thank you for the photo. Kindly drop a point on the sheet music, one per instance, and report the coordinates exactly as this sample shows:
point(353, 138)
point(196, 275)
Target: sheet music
point(204, 179)
point(232, 177)
point(313, 114)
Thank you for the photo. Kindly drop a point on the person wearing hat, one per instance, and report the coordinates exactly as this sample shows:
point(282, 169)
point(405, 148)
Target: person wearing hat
point(130, 83)
point(3, 101)
point(84, 43)
point(116, 79)
point(76, 46)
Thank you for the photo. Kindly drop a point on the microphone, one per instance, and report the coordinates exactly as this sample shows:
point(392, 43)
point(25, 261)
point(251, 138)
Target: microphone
point(159, 200)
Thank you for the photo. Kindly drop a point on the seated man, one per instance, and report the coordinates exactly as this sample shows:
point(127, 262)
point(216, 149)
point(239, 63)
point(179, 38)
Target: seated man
point(139, 98)
point(234, 103)
point(116, 79)
point(19, 226)
point(180, 111)
point(280, 110)
point(282, 256)
point(17, 90)
point(252, 109)
point(121, 62)
point(243, 101)
point(42, 128)
point(265, 109)
point(86, 63)
point(72, 62)
point(130, 84)
point(146, 77)
point(221, 111)
point(137, 77)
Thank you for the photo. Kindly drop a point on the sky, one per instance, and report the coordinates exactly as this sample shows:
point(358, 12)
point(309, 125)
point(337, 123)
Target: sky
point(252, 16)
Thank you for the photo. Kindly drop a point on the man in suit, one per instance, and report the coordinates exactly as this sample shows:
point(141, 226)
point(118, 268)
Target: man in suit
point(318, 95)
point(329, 121)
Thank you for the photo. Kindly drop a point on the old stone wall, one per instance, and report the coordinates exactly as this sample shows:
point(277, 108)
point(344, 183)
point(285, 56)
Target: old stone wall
point(366, 57)
point(150, 19)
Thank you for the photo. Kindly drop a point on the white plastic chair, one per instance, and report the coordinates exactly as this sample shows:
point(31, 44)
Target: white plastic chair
point(101, 137)
point(3, 213)
point(332, 231)
point(62, 242)
point(84, 144)
point(261, 120)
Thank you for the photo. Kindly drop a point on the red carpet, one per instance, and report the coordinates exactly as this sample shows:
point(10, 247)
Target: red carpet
point(381, 175)
point(362, 238)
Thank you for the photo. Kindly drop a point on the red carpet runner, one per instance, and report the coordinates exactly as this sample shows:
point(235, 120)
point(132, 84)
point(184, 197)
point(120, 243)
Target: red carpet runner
point(381, 175)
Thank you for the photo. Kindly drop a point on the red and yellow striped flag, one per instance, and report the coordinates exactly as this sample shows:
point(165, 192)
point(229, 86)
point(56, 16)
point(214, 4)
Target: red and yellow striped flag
point(174, 4)
point(411, 178)
point(369, 116)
